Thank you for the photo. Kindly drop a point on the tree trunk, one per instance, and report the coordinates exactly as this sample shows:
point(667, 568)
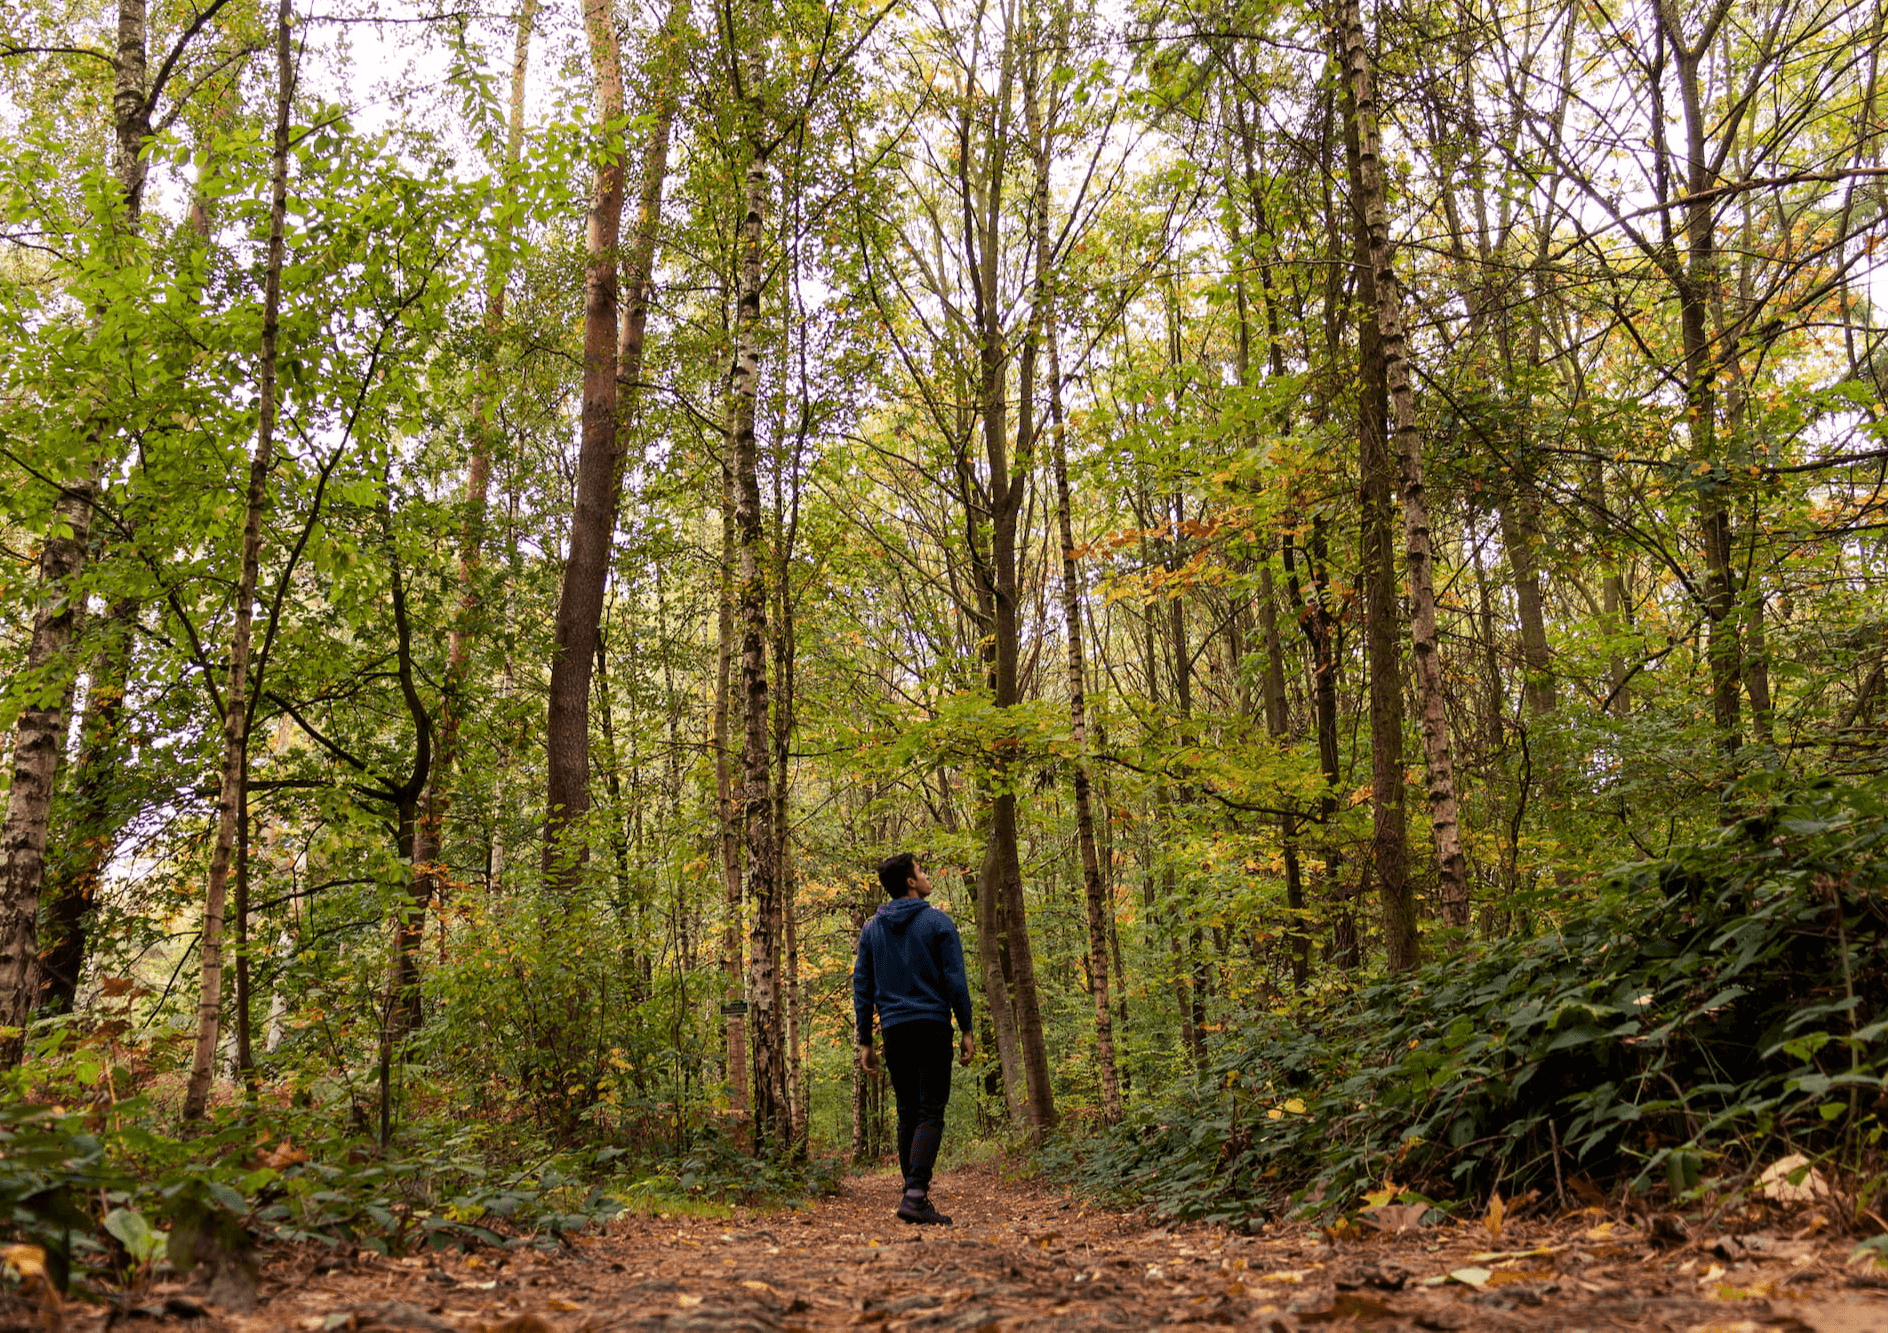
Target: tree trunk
point(37, 739)
point(1188, 956)
point(787, 491)
point(92, 816)
point(245, 1060)
point(586, 565)
point(1519, 529)
point(39, 733)
point(1389, 818)
point(1277, 718)
point(1417, 555)
point(1696, 285)
point(996, 987)
point(772, 1120)
point(236, 695)
point(1041, 128)
point(1002, 867)
point(734, 996)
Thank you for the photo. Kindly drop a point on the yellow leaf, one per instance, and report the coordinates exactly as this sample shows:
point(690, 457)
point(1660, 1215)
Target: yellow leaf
point(1496, 1212)
point(28, 1261)
point(688, 1301)
point(1502, 1276)
point(1295, 1106)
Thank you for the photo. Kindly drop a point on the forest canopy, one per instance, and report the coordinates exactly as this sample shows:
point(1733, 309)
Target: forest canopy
point(1349, 540)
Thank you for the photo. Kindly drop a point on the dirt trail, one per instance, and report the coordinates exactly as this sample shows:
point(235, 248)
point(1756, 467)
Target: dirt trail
point(1023, 1256)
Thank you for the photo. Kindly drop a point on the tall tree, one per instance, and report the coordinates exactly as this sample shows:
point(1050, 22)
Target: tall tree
point(1418, 555)
point(1041, 119)
point(237, 710)
point(592, 519)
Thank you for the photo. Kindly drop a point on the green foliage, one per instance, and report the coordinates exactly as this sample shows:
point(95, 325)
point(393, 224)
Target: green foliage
point(1722, 1001)
point(97, 1188)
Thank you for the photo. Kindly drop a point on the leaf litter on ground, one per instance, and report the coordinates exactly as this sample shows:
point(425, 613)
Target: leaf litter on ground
point(1024, 1256)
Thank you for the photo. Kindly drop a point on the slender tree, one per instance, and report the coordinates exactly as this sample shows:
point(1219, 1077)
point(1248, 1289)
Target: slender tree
point(237, 691)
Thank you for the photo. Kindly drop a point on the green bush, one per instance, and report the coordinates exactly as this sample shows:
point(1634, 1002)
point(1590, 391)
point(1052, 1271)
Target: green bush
point(1720, 1003)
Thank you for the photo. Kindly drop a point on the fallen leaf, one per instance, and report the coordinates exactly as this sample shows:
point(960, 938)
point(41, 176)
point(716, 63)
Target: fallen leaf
point(1472, 1277)
point(285, 1154)
point(688, 1302)
point(750, 1284)
point(1396, 1217)
point(1792, 1179)
point(1501, 1277)
point(1286, 1275)
point(1497, 1211)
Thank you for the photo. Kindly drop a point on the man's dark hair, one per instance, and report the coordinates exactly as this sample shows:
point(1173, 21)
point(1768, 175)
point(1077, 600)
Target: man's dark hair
point(895, 873)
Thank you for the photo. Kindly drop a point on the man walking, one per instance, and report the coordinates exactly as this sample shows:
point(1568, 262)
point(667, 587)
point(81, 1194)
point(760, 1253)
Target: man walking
point(911, 966)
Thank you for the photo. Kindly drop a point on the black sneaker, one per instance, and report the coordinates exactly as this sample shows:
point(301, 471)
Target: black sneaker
point(920, 1211)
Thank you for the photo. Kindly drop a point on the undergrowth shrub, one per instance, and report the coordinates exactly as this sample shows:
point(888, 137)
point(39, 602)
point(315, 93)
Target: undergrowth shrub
point(1706, 1009)
point(104, 1184)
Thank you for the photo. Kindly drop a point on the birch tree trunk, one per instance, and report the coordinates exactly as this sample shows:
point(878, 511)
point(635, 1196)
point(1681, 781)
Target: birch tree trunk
point(734, 997)
point(41, 728)
point(94, 814)
point(1419, 566)
point(761, 886)
point(236, 710)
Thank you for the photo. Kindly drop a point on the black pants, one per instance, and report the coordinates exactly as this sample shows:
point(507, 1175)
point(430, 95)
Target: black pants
point(918, 1057)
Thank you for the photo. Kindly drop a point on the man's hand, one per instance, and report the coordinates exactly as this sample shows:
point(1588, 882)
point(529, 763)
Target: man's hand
point(966, 1050)
point(868, 1058)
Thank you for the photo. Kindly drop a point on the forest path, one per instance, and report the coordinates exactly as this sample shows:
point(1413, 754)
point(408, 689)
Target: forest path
point(1025, 1256)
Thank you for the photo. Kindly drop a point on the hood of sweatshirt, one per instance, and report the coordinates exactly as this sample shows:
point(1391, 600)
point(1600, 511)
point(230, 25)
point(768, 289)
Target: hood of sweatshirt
point(900, 912)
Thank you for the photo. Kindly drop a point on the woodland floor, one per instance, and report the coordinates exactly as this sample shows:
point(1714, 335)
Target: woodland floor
point(1024, 1256)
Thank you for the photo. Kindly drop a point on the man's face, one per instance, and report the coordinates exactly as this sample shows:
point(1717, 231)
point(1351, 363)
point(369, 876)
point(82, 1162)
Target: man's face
point(919, 880)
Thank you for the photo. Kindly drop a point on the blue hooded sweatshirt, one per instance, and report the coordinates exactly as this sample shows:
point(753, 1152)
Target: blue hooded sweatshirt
point(912, 964)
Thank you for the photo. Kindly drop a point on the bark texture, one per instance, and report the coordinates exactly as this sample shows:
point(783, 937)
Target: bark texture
point(1389, 862)
point(761, 886)
point(734, 994)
